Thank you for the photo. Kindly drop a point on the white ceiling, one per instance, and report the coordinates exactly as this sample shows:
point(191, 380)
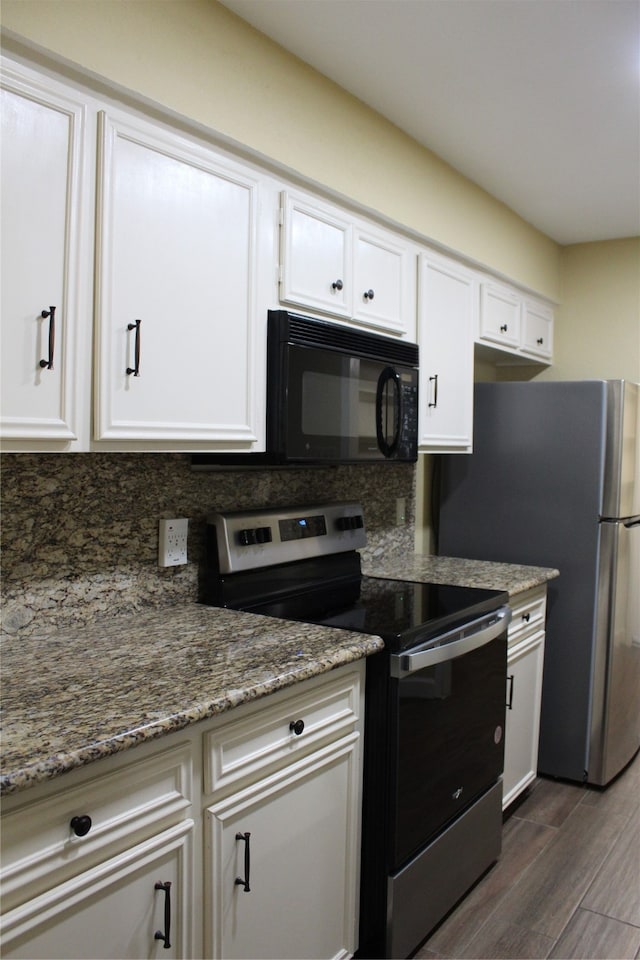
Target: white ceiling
point(537, 101)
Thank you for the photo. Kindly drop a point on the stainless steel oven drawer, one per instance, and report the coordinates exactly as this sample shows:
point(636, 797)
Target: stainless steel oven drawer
point(429, 886)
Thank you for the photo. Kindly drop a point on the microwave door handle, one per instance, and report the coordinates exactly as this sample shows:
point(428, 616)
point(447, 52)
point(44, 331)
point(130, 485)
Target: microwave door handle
point(388, 375)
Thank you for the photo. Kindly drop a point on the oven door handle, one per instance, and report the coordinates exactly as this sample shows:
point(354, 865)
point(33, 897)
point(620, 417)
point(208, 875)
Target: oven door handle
point(403, 664)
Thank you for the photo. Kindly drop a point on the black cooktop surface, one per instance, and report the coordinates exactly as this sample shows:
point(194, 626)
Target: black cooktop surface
point(399, 611)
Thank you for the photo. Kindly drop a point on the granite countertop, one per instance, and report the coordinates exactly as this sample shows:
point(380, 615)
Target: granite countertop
point(513, 577)
point(74, 697)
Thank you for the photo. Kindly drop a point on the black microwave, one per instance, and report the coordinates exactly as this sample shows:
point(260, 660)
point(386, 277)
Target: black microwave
point(334, 395)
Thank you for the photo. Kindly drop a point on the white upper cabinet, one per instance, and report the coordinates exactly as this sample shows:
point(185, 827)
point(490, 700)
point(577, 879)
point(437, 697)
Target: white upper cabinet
point(515, 326)
point(383, 283)
point(316, 257)
point(134, 305)
point(179, 348)
point(499, 315)
point(446, 321)
point(537, 330)
point(46, 318)
point(332, 263)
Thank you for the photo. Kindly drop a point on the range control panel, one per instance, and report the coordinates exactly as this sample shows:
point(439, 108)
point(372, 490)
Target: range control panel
point(249, 540)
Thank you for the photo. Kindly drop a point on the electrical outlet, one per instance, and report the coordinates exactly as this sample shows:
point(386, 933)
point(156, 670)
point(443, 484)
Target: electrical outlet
point(172, 545)
point(401, 511)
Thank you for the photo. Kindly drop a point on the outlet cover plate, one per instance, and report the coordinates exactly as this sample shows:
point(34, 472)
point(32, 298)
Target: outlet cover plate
point(172, 542)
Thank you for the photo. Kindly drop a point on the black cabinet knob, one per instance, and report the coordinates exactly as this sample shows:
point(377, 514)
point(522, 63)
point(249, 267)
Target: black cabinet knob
point(368, 294)
point(297, 726)
point(337, 285)
point(81, 825)
point(504, 328)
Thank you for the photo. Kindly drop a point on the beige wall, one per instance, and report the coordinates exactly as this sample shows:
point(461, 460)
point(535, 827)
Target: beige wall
point(201, 61)
point(597, 332)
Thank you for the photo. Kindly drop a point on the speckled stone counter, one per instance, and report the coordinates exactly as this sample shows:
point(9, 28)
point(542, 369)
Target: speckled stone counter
point(73, 697)
point(512, 577)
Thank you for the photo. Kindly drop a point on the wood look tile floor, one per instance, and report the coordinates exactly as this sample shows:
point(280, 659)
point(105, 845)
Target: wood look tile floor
point(566, 886)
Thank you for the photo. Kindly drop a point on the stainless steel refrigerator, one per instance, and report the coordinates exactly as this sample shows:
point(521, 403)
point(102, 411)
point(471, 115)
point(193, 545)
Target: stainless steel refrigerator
point(553, 480)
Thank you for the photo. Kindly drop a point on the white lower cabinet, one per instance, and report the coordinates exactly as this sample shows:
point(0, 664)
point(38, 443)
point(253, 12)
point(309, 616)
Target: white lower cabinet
point(284, 816)
point(134, 905)
point(524, 691)
point(281, 858)
point(87, 857)
point(81, 860)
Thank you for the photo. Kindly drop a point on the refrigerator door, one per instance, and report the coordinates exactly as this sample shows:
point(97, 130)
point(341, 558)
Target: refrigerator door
point(532, 492)
point(615, 709)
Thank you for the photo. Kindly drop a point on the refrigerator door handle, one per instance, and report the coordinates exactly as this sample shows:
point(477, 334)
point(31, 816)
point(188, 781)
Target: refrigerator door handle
point(633, 522)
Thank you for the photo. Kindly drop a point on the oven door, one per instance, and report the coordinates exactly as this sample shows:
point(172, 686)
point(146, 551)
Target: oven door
point(448, 704)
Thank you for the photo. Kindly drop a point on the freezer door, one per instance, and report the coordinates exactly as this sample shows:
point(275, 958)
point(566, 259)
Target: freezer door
point(621, 491)
point(615, 713)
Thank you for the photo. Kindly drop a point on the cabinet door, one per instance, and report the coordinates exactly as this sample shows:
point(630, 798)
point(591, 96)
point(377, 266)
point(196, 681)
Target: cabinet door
point(43, 192)
point(113, 910)
point(301, 856)
point(446, 316)
point(179, 344)
point(522, 725)
point(380, 290)
point(315, 269)
point(499, 315)
point(537, 330)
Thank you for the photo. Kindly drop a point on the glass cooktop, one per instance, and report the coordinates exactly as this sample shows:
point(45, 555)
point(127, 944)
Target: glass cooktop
point(401, 612)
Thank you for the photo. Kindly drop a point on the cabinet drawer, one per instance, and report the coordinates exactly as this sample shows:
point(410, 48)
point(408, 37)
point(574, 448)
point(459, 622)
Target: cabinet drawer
point(268, 739)
point(528, 615)
point(40, 847)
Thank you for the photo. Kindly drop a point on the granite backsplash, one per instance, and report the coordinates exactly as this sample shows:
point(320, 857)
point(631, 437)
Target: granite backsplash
point(80, 531)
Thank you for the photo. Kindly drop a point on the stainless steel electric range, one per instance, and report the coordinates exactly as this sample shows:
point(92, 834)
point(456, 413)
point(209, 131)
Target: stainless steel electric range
point(435, 703)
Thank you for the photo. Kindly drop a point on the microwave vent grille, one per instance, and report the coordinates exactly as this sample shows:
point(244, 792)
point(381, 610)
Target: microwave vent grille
point(315, 333)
